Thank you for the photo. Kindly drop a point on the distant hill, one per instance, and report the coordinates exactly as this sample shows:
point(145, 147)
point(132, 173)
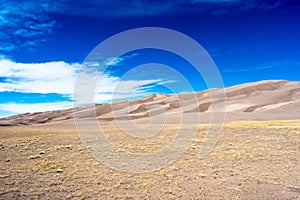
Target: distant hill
point(263, 100)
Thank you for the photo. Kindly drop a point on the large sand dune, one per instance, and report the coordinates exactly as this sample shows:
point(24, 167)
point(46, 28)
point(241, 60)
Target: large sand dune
point(263, 100)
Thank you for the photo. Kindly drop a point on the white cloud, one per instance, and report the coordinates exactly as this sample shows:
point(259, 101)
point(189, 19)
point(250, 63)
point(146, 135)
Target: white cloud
point(50, 77)
point(60, 78)
point(36, 107)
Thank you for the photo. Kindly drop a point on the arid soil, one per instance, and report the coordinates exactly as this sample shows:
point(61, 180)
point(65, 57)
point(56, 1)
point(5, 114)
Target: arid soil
point(252, 160)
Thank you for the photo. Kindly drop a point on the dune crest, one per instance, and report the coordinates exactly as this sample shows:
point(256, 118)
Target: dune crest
point(263, 100)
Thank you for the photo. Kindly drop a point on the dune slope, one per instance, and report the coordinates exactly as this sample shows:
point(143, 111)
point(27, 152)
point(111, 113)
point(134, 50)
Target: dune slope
point(263, 100)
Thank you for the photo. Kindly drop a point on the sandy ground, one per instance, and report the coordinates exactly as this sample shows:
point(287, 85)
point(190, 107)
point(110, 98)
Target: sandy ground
point(252, 160)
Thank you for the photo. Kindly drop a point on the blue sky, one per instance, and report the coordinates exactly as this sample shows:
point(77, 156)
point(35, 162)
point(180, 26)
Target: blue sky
point(43, 45)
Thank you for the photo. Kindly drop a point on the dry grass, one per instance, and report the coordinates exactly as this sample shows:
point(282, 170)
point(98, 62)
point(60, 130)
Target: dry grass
point(252, 160)
point(265, 124)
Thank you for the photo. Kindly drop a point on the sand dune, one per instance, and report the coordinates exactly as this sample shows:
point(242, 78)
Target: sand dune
point(263, 100)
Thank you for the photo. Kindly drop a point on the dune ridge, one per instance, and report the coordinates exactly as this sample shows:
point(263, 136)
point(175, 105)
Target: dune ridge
point(263, 100)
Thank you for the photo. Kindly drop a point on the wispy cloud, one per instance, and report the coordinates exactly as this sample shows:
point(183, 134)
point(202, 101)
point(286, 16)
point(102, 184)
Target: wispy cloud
point(6, 47)
point(116, 61)
point(121, 8)
point(215, 1)
point(26, 24)
point(21, 21)
point(264, 66)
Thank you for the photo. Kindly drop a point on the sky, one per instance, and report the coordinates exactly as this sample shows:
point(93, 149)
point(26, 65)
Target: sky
point(44, 46)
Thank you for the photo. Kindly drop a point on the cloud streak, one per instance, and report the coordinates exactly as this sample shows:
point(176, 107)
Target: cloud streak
point(116, 61)
point(121, 8)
